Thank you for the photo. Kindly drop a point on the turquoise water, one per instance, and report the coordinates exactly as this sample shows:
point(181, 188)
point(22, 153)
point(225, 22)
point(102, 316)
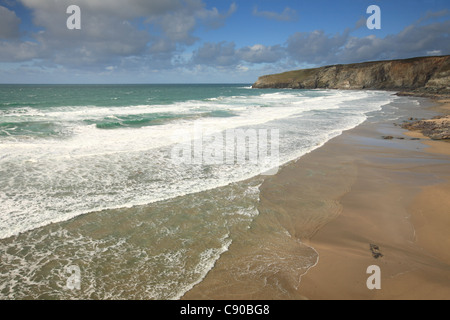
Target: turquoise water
point(87, 178)
point(16, 102)
point(45, 96)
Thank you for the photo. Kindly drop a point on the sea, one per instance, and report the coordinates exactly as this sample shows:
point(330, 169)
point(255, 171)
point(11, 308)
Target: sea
point(96, 202)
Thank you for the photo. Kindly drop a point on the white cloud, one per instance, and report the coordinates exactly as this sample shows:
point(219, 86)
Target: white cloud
point(315, 47)
point(214, 19)
point(415, 40)
point(178, 25)
point(262, 54)
point(216, 54)
point(288, 14)
point(434, 53)
point(111, 30)
point(117, 8)
point(225, 54)
point(14, 51)
point(146, 36)
point(432, 15)
point(9, 24)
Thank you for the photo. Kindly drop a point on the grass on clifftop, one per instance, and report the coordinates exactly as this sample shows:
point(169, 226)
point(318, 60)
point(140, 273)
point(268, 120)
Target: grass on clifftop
point(287, 77)
point(304, 74)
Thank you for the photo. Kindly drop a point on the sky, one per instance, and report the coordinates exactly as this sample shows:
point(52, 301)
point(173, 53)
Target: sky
point(207, 41)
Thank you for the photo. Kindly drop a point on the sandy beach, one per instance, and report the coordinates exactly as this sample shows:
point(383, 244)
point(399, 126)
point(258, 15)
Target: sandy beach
point(224, 150)
point(397, 202)
point(359, 200)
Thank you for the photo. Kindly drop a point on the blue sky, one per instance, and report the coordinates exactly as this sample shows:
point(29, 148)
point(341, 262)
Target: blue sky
point(203, 41)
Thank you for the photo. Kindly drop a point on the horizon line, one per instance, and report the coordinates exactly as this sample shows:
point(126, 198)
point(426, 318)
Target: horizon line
point(130, 84)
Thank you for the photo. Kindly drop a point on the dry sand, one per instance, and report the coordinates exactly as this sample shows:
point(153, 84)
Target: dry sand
point(356, 193)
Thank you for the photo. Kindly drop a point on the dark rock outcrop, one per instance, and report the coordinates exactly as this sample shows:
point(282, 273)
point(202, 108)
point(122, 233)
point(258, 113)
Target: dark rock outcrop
point(436, 129)
point(376, 253)
point(425, 76)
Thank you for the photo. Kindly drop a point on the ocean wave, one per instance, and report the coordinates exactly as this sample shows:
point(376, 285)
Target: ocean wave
point(113, 157)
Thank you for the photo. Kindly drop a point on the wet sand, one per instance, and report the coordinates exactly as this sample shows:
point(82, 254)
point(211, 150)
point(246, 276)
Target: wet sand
point(339, 206)
point(398, 202)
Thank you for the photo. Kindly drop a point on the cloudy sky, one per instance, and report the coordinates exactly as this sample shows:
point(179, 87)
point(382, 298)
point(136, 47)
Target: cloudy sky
point(203, 41)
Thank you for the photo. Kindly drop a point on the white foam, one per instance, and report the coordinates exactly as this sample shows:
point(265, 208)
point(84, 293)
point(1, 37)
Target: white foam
point(44, 181)
point(208, 259)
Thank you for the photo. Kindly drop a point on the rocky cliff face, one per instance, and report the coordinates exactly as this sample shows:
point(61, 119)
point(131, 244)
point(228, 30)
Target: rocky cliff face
point(426, 75)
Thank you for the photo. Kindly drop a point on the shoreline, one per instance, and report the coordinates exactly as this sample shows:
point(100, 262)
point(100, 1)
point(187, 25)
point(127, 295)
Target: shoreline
point(391, 206)
point(353, 197)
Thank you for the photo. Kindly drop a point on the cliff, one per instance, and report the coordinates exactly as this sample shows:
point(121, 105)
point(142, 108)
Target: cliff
point(423, 76)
